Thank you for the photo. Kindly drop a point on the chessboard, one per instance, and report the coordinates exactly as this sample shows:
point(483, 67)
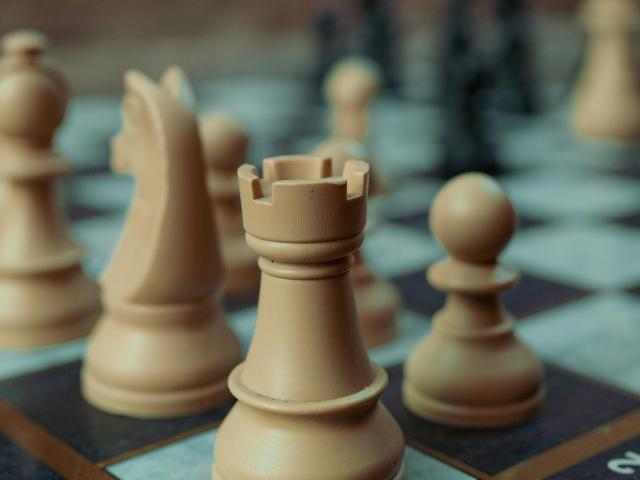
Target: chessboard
point(577, 304)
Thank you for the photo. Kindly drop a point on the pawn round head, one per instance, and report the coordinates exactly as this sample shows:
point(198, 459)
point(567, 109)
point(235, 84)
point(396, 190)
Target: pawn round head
point(352, 83)
point(23, 45)
point(33, 94)
point(224, 142)
point(473, 218)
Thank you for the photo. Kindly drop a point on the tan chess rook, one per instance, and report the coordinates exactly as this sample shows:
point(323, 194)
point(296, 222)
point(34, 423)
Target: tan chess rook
point(471, 370)
point(225, 146)
point(162, 347)
point(307, 392)
point(607, 98)
point(45, 297)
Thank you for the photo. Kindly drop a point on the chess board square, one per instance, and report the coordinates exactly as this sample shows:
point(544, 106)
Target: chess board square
point(52, 399)
point(586, 255)
point(600, 337)
point(17, 464)
point(15, 362)
point(530, 295)
point(551, 142)
point(630, 220)
point(635, 290)
point(193, 458)
point(573, 405)
point(569, 193)
point(621, 461)
point(392, 250)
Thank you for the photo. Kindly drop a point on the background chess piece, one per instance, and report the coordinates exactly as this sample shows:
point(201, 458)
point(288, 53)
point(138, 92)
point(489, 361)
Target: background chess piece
point(307, 392)
point(378, 35)
point(45, 296)
point(225, 149)
point(377, 301)
point(513, 68)
point(607, 98)
point(471, 370)
point(163, 347)
point(467, 144)
point(350, 87)
point(329, 46)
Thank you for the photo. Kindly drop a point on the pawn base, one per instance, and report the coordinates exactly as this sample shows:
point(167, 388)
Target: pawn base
point(46, 309)
point(465, 416)
point(43, 336)
point(118, 401)
point(400, 476)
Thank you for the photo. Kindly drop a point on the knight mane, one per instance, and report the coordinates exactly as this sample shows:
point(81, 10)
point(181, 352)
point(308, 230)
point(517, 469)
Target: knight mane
point(167, 252)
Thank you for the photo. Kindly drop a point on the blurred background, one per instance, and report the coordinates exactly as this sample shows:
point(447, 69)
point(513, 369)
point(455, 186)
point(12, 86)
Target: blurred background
point(96, 41)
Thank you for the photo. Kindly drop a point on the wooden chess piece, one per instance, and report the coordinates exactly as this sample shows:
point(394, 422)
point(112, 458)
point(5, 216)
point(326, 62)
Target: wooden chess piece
point(162, 347)
point(351, 86)
point(46, 297)
point(307, 392)
point(225, 149)
point(471, 370)
point(376, 300)
point(607, 98)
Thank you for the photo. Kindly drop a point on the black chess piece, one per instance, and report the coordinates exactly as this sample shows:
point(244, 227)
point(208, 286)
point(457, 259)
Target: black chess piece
point(378, 40)
point(465, 83)
point(514, 80)
point(329, 47)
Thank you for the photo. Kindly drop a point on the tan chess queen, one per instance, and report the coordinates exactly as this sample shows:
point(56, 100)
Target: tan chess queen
point(471, 370)
point(308, 396)
point(163, 347)
point(45, 297)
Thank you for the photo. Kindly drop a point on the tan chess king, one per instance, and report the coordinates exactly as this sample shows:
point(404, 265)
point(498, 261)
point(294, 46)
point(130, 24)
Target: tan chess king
point(308, 396)
point(607, 98)
point(471, 371)
point(45, 297)
point(162, 347)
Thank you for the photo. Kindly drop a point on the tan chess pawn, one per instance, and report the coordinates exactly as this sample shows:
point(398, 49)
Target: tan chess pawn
point(607, 98)
point(45, 296)
point(162, 347)
point(225, 149)
point(377, 301)
point(471, 370)
point(351, 86)
point(307, 392)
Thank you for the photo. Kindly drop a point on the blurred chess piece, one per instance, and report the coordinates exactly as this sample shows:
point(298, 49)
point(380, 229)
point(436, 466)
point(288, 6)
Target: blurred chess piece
point(46, 297)
point(225, 149)
point(307, 392)
point(513, 67)
point(466, 133)
point(163, 347)
point(378, 36)
point(377, 301)
point(607, 97)
point(471, 370)
point(350, 87)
